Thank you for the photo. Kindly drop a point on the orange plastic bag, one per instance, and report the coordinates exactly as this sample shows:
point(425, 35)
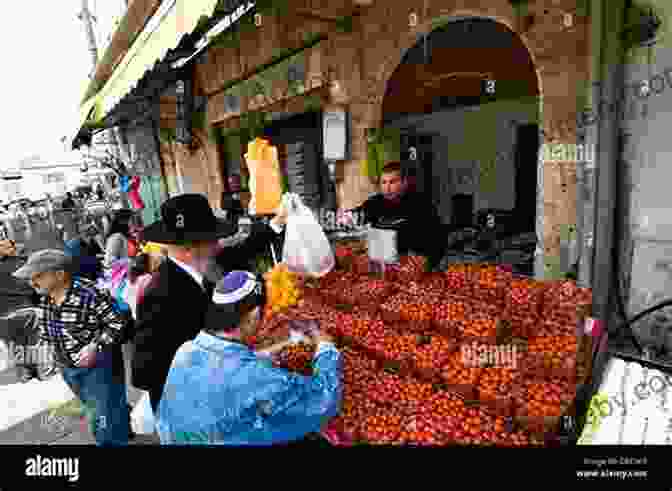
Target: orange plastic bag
point(265, 177)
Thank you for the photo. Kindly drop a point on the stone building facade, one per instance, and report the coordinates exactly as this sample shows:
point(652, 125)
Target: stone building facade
point(351, 68)
point(300, 55)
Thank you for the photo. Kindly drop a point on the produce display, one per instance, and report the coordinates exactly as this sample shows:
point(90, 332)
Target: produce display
point(552, 351)
point(458, 278)
point(297, 358)
point(415, 305)
point(480, 327)
point(564, 306)
point(489, 284)
point(433, 366)
point(281, 287)
point(434, 351)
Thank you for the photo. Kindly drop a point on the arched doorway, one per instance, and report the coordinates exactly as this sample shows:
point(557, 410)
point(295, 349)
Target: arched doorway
point(464, 106)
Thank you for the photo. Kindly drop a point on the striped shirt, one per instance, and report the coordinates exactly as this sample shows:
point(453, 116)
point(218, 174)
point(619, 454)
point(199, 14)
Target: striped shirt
point(86, 315)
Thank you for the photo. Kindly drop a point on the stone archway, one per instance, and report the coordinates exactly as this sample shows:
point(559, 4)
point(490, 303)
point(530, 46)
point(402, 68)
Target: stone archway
point(376, 81)
point(556, 104)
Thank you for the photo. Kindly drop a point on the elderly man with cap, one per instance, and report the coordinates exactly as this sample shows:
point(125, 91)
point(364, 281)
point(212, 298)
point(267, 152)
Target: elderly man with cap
point(173, 308)
point(84, 331)
point(219, 392)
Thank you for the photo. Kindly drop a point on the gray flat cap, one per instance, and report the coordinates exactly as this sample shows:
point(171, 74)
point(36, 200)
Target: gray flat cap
point(42, 262)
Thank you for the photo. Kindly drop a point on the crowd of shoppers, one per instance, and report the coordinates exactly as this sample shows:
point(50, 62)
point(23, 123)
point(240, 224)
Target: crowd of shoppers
point(185, 333)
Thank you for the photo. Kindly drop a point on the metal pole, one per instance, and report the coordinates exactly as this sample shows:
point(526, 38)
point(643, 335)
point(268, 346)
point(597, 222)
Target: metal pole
point(85, 16)
point(612, 66)
point(586, 172)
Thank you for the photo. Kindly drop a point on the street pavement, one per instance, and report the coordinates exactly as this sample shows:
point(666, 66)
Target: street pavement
point(24, 407)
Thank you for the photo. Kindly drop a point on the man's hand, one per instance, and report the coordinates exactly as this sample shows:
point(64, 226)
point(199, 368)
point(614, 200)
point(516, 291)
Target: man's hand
point(321, 337)
point(86, 358)
point(281, 214)
point(7, 248)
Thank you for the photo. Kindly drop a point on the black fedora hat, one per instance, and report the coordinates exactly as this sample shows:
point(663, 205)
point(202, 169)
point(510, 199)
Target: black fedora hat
point(188, 217)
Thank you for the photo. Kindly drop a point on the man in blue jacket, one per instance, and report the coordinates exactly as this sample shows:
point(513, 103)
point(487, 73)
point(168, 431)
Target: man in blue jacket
point(219, 392)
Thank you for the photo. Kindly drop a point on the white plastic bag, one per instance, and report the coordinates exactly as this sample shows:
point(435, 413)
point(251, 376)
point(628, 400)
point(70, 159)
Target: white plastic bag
point(142, 417)
point(306, 250)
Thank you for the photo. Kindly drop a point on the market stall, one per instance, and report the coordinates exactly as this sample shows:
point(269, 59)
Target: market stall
point(470, 355)
point(473, 355)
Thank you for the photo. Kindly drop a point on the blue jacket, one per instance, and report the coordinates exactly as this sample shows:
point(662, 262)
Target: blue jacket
point(221, 393)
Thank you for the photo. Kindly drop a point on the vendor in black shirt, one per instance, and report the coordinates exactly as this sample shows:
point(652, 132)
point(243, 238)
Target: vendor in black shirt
point(421, 230)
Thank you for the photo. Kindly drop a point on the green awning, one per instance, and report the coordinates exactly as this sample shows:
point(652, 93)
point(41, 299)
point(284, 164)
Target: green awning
point(175, 20)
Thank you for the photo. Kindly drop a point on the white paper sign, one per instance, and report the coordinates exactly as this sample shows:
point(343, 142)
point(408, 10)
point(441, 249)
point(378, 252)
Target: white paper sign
point(632, 407)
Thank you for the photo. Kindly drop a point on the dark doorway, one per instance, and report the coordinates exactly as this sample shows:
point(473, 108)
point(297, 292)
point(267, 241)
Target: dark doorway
point(526, 161)
point(417, 157)
point(299, 141)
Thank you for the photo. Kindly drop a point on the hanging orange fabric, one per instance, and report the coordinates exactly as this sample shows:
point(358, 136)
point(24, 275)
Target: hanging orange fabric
point(265, 177)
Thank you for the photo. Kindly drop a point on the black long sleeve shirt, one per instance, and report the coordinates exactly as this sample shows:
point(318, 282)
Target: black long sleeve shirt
point(423, 230)
point(238, 257)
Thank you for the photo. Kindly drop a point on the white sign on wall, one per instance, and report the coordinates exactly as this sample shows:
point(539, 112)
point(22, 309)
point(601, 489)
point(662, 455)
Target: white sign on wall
point(632, 407)
point(335, 135)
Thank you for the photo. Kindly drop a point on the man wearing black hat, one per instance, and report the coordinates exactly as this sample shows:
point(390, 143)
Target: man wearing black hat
point(174, 307)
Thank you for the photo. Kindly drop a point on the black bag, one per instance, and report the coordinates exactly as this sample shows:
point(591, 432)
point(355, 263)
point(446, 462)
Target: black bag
point(128, 331)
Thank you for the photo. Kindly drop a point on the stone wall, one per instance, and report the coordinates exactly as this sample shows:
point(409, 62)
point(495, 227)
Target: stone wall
point(199, 167)
point(363, 61)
